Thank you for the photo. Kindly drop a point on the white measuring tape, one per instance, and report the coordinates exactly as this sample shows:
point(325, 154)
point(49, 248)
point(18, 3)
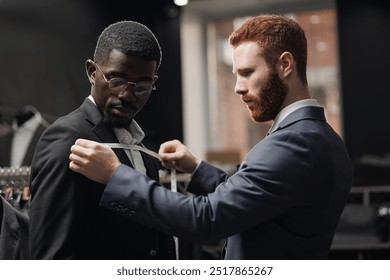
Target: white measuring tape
point(149, 152)
point(156, 155)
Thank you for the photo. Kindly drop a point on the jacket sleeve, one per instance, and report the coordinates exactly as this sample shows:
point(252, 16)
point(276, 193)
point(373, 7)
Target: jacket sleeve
point(205, 179)
point(53, 207)
point(253, 195)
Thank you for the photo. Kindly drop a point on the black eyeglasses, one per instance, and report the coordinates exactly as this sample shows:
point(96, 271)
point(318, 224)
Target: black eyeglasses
point(120, 85)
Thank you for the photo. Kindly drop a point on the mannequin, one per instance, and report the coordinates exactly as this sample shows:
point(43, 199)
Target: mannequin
point(18, 145)
point(25, 114)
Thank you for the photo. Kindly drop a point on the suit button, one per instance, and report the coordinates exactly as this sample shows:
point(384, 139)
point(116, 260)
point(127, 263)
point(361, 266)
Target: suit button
point(131, 213)
point(153, 253)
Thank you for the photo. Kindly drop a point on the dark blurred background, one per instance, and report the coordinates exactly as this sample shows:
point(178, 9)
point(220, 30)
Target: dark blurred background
point(45, 43)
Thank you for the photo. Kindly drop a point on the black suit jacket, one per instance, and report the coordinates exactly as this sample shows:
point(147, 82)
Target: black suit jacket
point(66, 220)
point(13, 233)
point(284, 202)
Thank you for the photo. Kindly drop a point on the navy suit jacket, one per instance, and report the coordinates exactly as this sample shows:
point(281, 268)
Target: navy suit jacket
point(284, 202)
point(66, 221)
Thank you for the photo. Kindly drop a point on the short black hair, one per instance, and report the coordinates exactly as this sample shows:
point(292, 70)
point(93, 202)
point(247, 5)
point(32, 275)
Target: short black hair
point(129, 37)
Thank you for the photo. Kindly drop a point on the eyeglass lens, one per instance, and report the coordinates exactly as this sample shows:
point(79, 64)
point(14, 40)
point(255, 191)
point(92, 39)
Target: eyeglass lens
point(120, 85)
point(140, 88)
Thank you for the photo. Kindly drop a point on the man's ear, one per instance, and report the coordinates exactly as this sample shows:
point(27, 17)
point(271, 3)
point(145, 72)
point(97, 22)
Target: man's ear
point(286, 64)
point(90, 68)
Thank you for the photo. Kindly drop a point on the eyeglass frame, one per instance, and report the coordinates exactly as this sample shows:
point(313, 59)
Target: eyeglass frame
point(134, 84)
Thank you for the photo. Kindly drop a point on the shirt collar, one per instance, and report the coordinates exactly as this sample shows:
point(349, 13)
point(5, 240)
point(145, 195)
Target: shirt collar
point(289, 109)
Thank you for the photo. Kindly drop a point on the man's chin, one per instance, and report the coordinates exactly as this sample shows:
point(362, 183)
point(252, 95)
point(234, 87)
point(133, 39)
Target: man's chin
point(261, 118)
point(118, 122)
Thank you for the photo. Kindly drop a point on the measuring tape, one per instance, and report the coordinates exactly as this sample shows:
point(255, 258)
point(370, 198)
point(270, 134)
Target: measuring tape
point(156, 155)
point(149, 152)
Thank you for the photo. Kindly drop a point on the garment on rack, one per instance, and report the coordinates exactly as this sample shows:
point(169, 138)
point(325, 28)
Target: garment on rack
point(17, 149)
point(14, 233)
point(14, 186)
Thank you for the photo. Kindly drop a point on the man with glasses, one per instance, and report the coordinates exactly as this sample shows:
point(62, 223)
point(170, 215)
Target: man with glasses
point(66, 220)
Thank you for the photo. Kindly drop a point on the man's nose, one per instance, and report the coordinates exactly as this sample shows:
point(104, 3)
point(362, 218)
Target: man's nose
point(128, 94)
point(240, 87)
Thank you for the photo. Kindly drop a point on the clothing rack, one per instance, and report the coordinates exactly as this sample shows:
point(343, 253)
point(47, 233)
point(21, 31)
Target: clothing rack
point(14, 181)
point(15, 173)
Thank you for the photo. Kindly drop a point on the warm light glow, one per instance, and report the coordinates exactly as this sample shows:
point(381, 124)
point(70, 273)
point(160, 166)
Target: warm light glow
point(180, 2)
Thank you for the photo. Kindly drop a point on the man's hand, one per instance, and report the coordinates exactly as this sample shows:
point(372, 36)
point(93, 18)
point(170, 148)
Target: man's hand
point(177, 155)
point(93, 160)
